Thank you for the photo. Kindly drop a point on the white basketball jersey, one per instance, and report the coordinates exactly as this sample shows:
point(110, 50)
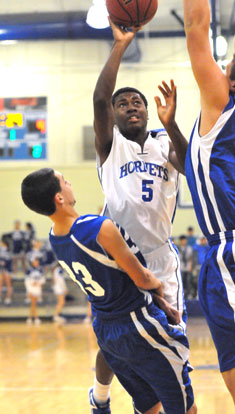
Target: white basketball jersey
point(140, 188)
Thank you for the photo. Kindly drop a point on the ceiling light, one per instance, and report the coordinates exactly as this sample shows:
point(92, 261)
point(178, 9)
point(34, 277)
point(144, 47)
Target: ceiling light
point(221, 46)
point(97, 15)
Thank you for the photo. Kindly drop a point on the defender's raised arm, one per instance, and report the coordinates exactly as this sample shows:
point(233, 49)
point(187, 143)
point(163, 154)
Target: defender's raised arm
point(212, 82)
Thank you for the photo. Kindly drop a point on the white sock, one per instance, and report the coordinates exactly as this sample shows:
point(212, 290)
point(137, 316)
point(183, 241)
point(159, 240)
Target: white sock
point(101, 392)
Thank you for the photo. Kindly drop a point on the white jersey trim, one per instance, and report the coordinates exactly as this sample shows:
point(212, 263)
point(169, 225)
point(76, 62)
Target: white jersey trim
point(97, 256)
point(227, 279)
point(205, 143)
point(175, 361)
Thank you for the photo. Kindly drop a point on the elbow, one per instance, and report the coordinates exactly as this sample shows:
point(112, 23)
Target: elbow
point(99, 99)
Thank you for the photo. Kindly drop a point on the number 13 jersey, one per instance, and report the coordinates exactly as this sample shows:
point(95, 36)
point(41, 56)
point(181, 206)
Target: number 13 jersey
point(141, 186)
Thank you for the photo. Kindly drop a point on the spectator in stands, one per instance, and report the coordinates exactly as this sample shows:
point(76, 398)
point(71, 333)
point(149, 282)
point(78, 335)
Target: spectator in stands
point(49, 260)
point(191, 238)
point(16, 238)
point(5, 270)
point(201, 248)
point(186, 261)
point(60, 290)
point(29, 236)
point(35, 253)
point(34, 279)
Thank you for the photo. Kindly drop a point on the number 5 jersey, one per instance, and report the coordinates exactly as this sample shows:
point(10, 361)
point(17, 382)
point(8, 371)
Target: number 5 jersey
point(141, 186)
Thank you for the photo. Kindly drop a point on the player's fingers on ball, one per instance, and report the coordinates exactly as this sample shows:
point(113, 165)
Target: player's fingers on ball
point(137, 28)
point(110, 21)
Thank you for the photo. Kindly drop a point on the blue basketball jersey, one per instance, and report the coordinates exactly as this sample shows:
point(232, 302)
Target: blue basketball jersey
point(210, 172)
point(109, 289)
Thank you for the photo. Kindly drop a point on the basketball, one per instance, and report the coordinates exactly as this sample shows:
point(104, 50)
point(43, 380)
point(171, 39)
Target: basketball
point(129, 13)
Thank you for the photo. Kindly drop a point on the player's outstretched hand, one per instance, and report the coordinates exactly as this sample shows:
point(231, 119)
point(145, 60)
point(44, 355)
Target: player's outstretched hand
point(122, 34)
point(172, 314)
point(166, 112)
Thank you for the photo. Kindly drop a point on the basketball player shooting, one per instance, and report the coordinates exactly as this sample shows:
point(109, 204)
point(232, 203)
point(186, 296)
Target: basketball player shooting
point(139, 172)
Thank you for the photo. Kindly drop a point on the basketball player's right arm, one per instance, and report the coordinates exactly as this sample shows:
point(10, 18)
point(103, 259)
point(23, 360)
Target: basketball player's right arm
point(102, 97)
point(111, 240)
point(213, 84)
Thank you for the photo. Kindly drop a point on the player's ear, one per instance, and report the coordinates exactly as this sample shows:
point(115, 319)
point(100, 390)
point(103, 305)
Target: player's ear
point(59, 199)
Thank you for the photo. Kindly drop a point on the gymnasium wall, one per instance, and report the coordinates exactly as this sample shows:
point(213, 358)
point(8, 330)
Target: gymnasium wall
point(66, 72)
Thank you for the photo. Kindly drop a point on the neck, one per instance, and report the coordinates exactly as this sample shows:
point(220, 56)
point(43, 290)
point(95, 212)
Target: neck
point(63, 222)
point(139, 137)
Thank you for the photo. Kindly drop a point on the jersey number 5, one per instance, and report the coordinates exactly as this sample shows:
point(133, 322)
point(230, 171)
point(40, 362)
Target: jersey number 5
point(148, 196)
point(91, 285)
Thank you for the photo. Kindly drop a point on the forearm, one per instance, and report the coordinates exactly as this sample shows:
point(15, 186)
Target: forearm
point(179, 142)
point(142, 277)
point(107, 79)
point(111, 240)
point(196, 14)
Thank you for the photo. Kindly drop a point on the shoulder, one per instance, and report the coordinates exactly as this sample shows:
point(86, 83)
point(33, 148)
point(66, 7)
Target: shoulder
point(158, 133)
point(86, 228)
point(160, 140)
point(107, 225)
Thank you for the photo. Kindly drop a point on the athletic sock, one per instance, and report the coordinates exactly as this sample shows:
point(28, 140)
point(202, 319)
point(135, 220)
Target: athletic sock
point(101, 392)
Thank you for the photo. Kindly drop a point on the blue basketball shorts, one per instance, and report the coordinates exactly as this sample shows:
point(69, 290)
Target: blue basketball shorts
point(149, 357)
point(217, 298)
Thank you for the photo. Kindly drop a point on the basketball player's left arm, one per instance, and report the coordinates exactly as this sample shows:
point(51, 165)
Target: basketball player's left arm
point(166, 113)
point(111, 240)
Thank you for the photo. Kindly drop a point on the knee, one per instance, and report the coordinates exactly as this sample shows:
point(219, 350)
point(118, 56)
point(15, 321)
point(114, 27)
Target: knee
point(230, 383)
point(229, 378)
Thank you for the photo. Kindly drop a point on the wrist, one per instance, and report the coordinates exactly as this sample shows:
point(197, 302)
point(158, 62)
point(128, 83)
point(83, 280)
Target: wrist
point(121, 44)
point(171, 124)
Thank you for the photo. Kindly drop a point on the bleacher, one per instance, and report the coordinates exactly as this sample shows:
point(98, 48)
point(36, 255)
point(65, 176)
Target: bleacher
point(75, 307)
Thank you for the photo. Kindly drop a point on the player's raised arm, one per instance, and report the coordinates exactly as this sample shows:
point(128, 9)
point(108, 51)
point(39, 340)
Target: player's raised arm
point(213, 84)
point(111, 240)
point(102, 97)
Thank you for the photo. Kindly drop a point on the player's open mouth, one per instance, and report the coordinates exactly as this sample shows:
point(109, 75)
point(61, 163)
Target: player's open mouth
point(133, 118)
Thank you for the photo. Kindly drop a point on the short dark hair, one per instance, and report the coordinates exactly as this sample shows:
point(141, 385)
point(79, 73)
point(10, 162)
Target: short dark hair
point(128, 89)
point(182, 237)
point(190, 228)
point(38, 190)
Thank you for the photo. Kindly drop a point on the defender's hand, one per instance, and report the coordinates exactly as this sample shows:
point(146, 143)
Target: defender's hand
point(172, 314)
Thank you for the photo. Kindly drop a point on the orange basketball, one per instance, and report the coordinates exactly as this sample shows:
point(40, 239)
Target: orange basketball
point(129, 13)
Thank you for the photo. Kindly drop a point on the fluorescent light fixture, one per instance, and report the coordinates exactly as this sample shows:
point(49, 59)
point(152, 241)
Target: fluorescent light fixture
point(97, 16)
point(221, 46)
